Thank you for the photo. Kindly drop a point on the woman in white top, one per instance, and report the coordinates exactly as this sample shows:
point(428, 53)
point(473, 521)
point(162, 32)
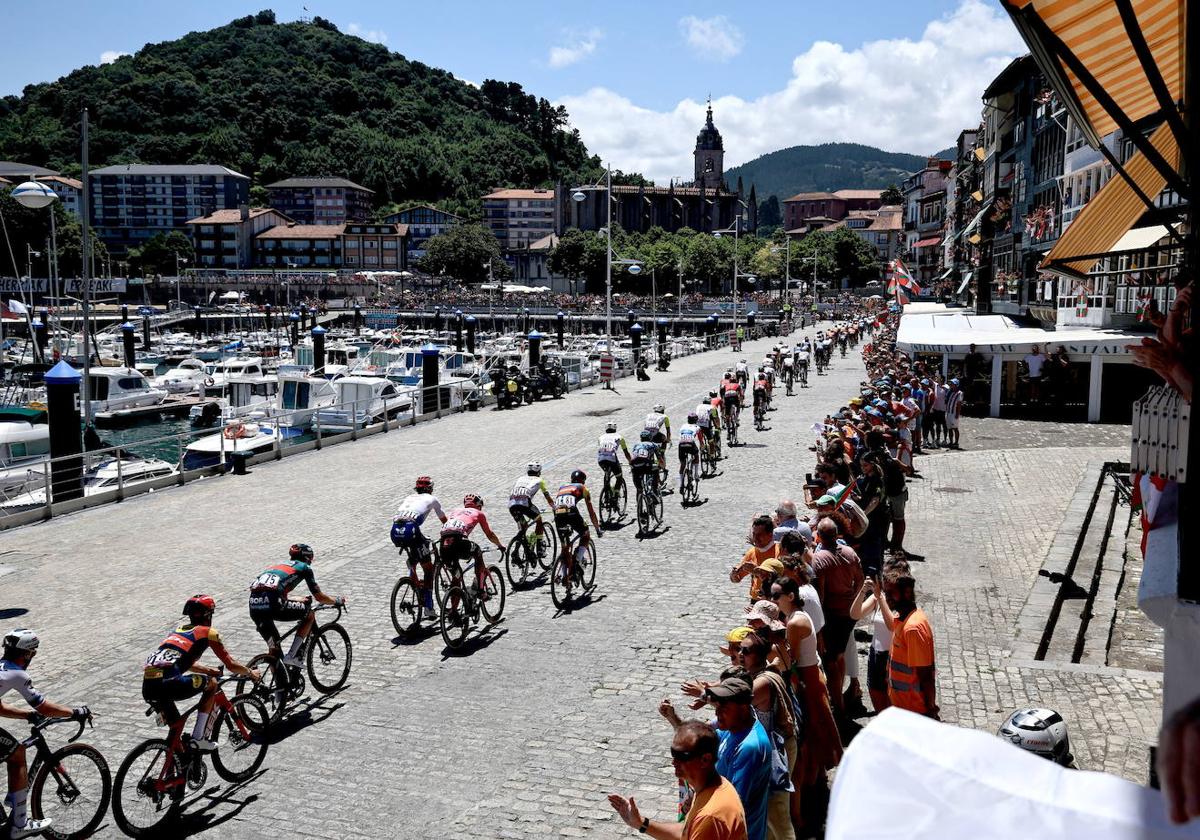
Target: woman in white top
point(871, 601)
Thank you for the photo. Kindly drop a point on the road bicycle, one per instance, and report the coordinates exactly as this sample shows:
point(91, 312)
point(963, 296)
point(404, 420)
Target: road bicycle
point(690, 482)
point(153, 779)
point(760, 414)
point(708, 464)
point(731, 425)
point(614, 499)
point(462, 606)
point(649, 502)
point(70, 786)
point(530, 552)
point(789, 378)
point(408, 602)
point(575, 571)
point(327, 655)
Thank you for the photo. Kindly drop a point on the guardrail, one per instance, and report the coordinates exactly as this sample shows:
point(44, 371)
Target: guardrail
point(35, 502)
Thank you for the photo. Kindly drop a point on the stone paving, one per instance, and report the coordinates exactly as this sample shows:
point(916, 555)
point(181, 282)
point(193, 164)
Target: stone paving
point(523, 735)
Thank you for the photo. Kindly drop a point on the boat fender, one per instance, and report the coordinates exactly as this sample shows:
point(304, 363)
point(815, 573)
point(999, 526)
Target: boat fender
point(208, 381)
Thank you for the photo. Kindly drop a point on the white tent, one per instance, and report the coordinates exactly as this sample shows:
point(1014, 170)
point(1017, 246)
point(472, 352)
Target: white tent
point(233, 296)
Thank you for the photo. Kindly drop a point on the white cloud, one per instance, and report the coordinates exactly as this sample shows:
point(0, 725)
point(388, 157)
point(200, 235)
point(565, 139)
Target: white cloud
point(109, 56)
point(713, 38)
point(376, 36)
point(575, 50)
point(898, 94)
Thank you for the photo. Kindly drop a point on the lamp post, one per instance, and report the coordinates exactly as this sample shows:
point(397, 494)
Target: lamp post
point(36, 195)
point(178, 280)
point(734, 229)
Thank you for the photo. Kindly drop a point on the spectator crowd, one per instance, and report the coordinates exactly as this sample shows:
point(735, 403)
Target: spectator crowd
point(822, 573)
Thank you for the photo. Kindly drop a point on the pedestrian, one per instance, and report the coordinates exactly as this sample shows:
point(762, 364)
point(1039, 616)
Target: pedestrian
point(839, 575)
point(786, 520)
point(928, 440)
point(871, 603)
point(1035, 363)
point(954, 403)
point(762, 547)
point(911, 678)
point(871, 496)
point(730, 648)
point(973, 376)
point(939, 409)
point(716, 812)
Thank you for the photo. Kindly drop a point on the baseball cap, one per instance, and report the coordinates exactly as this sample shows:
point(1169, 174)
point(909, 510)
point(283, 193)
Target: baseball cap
point(730, 690)
point(734, 637)
point(954, 382)
point(827, 499)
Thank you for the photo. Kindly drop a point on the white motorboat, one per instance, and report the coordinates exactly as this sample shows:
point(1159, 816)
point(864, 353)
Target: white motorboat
point(244, 438)
point(240, 366)
point(362, 400)
point(188, 377)
point(116, 388)
point(107, 475)
point(236, 397)
point(24, 448)
point(298, 398)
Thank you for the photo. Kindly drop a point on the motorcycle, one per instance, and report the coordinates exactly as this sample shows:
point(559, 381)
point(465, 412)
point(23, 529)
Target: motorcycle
point(510, 394)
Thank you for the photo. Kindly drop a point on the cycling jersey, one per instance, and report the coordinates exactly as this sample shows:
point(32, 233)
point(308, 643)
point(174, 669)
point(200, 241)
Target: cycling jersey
point(608, 446)
point(462, 521)
point(180, 651)
point(416, 507)
point(569, 497)
point(654, 421)
point(788, 361)
point(732, 388)
point(14, 678)
point(704, 416)
point(525, 489)
point(760, 385)
point(689, 435)
point(284, 577)
point(644, 451)
point(741, 367)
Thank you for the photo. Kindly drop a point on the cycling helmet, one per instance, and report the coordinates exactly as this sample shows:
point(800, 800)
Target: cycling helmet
point(693, 417)
point(302, 552)
point(534, 468)
point(712, 394)
point(578, 477)
point(199, 606)
point(1042, 732)
point(473, 500)
point(610, 427)
point(21, 640)
point(762, 369)
point(424, 484)
point(647, 435)
point(659, 408)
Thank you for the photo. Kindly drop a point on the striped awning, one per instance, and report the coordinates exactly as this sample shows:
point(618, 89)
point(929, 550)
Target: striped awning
point(928, 243)
point(1101, 41)
point(1111, 212)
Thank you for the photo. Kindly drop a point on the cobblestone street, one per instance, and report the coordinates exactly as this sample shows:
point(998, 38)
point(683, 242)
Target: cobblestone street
point(524, 734)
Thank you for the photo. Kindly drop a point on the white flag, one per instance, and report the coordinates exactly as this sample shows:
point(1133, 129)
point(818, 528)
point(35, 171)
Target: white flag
point(17, 308)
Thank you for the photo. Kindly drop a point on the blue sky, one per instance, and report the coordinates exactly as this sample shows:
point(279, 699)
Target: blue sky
point(634, 75)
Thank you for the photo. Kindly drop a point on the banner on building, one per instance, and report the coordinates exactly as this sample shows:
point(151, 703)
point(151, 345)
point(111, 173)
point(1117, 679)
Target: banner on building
point(73, 286)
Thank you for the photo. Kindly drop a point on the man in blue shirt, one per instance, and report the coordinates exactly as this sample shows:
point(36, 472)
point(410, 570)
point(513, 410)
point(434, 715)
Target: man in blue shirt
point(744, 757)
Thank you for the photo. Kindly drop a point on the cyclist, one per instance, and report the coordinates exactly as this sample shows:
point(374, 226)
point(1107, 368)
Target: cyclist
point(649, 457)
point(173, 671)
point(269, 601)
point(659, 423)
point(456, 537)
point(707, 416)
point(521, 502)
point(567, 517)
point(761, 393)
point(406, 531)
point(691, 438)
point(607, 447)
point(789, 370)
point(20, 646)
point(732, 399)
point(743, 372)
point(804, 358)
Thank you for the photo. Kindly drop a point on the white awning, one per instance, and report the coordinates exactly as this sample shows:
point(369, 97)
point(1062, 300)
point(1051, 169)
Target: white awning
point(1140, 239)
point(963, 285)
point(955, 331)
point(947, 273)
point(975, 222)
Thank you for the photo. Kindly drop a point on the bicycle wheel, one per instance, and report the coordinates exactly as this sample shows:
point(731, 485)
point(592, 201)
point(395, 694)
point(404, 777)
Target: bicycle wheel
point(446, 575)
point(643, 514)
point(329, 657)
point(560, 583)
point(140, 808)
point(407, 611)
point(239, 733)
point(455, 620)
point(492, 587)
point(549, 546)
point(622, 497)
point(72, 788)
point(587, 570)
point(272, 686)
point(656, 510)
point(518, 564)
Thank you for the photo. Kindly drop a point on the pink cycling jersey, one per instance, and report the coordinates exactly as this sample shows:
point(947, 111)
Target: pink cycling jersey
point(462, 521)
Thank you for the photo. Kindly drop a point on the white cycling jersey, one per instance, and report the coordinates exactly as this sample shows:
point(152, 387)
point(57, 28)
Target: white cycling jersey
point(416, 507)
point(525, 489)
point(689, 434)
point(14, 678)
point(654, 421)
point(609, 446)
point(741, 367)
point(704, 415)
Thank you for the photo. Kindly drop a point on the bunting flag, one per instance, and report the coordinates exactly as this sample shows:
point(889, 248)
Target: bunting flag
point(1143, 309)
point(1081, 304)
point(845, 494)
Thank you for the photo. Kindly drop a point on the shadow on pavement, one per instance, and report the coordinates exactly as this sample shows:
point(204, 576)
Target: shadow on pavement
point(584, 600)
point(13, 612)
point(416, 637)
point(195, 822)
point(483, 640)
point(302, 716)
point(653, 535)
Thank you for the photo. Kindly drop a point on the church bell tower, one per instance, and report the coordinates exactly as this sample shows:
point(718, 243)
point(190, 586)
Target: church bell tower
point(710, 155)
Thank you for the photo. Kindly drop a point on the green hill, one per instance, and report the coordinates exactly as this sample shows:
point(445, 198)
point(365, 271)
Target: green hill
point(829, 166)
point(272, 100)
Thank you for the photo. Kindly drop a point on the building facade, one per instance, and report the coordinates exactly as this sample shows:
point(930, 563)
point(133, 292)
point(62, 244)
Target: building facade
point(68, 190)
point(813, 210)
point(365, 246)
point(321, 200)
point(519, 217)
point(375, 246)
point(924, 219)
point(132, 202)
point(225, 238)
point(424, 222)
point(882, 229)
point(709, 156)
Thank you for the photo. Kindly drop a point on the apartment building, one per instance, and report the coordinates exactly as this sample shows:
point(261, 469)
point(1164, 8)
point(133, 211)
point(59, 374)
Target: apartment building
point(321, 200)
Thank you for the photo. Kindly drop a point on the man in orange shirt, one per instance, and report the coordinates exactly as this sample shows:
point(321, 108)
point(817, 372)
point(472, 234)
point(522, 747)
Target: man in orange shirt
point(716, 812)
point(911, 681)
point(762, 547)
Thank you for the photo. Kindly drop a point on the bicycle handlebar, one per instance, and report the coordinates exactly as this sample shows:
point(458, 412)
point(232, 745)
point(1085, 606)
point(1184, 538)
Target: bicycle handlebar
point(44, 722)
point(340, 607)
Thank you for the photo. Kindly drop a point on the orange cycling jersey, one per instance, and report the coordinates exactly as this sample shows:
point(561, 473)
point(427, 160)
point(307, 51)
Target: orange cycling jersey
point(569, 496)
point(181, 650)
point(733, 388)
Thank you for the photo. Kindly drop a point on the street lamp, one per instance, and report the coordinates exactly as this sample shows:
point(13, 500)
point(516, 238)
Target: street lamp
point(178, 281)
point(36, 195)
point(735, 229)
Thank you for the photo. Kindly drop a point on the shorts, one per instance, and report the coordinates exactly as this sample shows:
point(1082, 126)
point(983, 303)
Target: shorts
point(643, 468)
point(877, 669)
point(660, 437)
point(458, 547)
point(686, 448)
point(731, 400)
point(938, 418)
point(836, 632)
point(523, 513)
point(267, 606)
point(610, 466)
point(951, 421)
point(8, 744)
point(568, 520)
point(407, 534)
point(897, 503)
point(162, 692)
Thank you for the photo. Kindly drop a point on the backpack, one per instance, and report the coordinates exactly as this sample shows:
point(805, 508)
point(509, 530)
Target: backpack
point(856, 517)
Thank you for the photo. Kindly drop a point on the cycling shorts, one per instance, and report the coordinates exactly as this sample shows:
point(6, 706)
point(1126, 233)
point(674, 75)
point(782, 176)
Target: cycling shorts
point(162, 692)
point(522, 513)
point(731, 399)
point(268, 605)
point(610, 466)
point(660, 437)
point(567, 520)
point(456, 547)
point(687, 448)
point(642, 468)
point(407, 534)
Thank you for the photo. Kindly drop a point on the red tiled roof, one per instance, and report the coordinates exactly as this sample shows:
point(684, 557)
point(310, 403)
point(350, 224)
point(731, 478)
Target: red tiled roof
point(302, 232)
point(62, 179)
point(812, 196)
point(543, 194)
point(859, 193)
point(229, 217)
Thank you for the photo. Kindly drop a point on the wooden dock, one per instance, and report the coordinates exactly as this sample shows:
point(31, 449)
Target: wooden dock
point(172, 406)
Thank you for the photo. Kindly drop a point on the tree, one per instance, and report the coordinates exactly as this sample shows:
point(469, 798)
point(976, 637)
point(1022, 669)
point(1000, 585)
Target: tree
point(158, 254)
point(770, 216)
point(29, 227)
point(892, 195)
point(840, 254)
point(579, 255)
point(463, 252)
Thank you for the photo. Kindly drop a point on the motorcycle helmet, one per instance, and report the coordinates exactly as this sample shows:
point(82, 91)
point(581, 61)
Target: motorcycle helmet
point(1042, 732)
